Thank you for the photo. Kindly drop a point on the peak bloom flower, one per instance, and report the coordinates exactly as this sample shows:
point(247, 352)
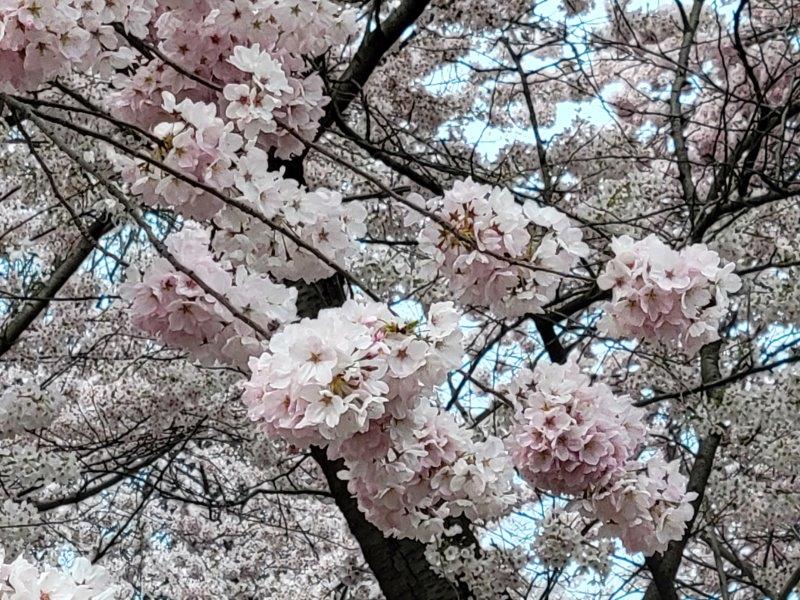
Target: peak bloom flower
point(327, 379)
point(646, 507)
point(664, 295)
point(496, 253)
point(581, 440)
point(172, 305)
point(570, 435)
point(22, 580)
point(355, 379)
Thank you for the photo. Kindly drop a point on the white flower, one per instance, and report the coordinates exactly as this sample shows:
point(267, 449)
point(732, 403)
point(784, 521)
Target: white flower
point(328, 410)
point(407, 357)
point(443, 319)
point(266, 71)
point(241, 97)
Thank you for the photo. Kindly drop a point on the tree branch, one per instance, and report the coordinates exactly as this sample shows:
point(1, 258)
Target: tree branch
point(27, 314)
point(676, 117)
point(376, 43)
point(664, 567)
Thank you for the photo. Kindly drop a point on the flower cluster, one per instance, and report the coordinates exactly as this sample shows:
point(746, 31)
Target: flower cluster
point(318, 218)
point(253, 51)
point(562, 538)
point(204, 147)
point(496, 253)
point(22, 580)
point(26, 406)
point(16, 523)
point(489, 573)
point(172, 304)
point(41, 39)
point(249, 73)
point(353, 379)
point(196, 143)
point(222, 76)
point(568, 434)
point(664, 295)
point(361, 585)
point(23, 465)
point(574, 438)
point(324, 380)
point(427, 472)
point(252, 104)
point(647, 507)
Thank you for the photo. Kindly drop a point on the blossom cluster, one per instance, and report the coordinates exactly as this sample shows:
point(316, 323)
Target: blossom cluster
point(22, 580)
point(666, 295)
point(211, 81)
point(574, 438)
point(562, 538)
point(489, 573)
point(253, 51)
point(16, 523)
point(496, 253)
point(569, 434)
point(646, 507)
point(319, 218)
point(200, 146)
point(353, 379)
point(196, 143)
point(23, 465)
point(172, 305)
point(360, 584)
point(428, 472)
point(26, 406)
point(42, 39)
point(326, 379)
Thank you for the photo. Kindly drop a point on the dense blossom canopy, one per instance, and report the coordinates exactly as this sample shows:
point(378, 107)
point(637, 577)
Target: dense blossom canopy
point(430, 299)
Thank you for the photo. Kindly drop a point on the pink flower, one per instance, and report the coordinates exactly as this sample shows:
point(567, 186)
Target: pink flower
point(663, 295)
point(647, 506)
point(349, 367)
point(426, 469)
point(568, 434)
point(486, 224)
point(173, 306)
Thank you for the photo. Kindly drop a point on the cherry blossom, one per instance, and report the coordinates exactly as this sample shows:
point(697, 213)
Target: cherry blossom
point(570, 435)
point(664, 295)
point(41, 39)
point(173, 305)
point(565, 537)
point(574, 438)
point(233, 44)
point(489, 572)
point(647, 507)
point(353, 378)
point(22, 580)
point(425, 471)
point(181, 179)
point(318, 218)
point(26, 406)
point(17, 520)
point(496, 253)
point(327, 379)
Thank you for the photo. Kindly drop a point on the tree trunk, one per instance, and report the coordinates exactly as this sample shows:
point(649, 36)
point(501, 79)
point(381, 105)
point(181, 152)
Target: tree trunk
point(399, 566)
